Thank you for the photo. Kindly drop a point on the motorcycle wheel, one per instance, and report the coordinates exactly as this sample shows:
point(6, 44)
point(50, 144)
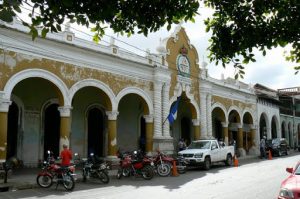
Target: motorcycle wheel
point(44, 181)
point(69, 182)
point(164, 169)
point(181, 168)
point(147, 172)
point(120, 173)
point(103, 177)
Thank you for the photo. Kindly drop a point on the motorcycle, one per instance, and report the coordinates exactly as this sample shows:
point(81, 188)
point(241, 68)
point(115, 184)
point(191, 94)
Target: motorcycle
point(135, 164)
point(52, 172)
point(181, 165)
point(163, 164)
point(94, 168)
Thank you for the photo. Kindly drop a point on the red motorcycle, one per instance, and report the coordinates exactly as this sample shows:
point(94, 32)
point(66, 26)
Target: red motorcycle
point(163, 164)
point(52, 172)
point(135, 164)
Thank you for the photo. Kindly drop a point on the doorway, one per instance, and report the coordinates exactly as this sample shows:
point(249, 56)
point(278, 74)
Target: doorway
point(95, 132)
point(51, 130)
point(186, 130)
point(12, 130)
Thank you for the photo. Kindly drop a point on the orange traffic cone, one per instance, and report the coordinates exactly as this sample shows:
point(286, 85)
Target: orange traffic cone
point(270, 155)
point(174, 169)
point(235, 161)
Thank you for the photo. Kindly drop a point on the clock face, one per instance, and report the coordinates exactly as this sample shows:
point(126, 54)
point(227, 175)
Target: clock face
point(183, 65)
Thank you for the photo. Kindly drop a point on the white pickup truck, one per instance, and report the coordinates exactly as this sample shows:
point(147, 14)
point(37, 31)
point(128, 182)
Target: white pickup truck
point(206, 152)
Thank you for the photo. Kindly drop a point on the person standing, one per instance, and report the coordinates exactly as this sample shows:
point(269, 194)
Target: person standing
point(263, 147)
point(181, 145)
point(66, 156)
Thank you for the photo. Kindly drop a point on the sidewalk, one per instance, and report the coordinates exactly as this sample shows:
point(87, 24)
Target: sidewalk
point(25, 178)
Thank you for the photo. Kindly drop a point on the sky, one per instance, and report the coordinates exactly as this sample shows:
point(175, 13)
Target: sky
point(271, 70)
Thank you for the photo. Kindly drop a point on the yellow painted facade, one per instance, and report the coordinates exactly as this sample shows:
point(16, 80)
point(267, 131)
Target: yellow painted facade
point(173, 46)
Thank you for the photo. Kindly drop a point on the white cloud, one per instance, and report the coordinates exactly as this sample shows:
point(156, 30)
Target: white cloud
point(272, 70)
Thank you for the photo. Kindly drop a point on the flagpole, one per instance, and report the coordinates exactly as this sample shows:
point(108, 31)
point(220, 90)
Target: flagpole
point(164, 121)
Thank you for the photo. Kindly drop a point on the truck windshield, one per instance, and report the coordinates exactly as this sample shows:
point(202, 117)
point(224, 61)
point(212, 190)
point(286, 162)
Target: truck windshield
point(200, 145)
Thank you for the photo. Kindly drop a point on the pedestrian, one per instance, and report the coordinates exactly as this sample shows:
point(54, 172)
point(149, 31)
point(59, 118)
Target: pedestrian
point(181, 145)
point(66, 156)
point(262, 147)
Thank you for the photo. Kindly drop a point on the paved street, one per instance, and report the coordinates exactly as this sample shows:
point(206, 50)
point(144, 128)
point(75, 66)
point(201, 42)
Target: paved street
point(253, 179)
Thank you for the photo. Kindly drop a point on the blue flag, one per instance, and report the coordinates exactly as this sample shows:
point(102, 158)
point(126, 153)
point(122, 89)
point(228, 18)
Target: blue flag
point(173, 112)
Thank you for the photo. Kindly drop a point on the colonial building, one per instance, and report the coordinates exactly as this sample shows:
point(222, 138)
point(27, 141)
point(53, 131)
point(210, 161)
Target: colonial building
point(268, 112)
point(99, 98)
point(290, 114)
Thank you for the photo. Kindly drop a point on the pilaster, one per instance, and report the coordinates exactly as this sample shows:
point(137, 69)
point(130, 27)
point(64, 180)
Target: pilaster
point(208, 114)
point(4, 107)
point(65, 126)
point(196, 125)
point(166, 126)
point(225, 132)
point(203, 115)
point(149, 133)
point(158, 109)
point(112, 133)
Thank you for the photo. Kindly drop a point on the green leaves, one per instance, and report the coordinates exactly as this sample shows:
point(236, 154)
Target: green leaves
point(125, 17)
point(239, 26)
point(6, 15)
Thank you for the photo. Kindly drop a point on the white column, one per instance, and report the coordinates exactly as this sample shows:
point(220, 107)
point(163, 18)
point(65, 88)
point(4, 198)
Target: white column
point(166, 127)
point(65, 111)
point(208, 113)
point(157, 109)
point(203, 115)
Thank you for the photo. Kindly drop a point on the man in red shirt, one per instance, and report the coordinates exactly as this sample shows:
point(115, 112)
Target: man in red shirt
point(66, 156)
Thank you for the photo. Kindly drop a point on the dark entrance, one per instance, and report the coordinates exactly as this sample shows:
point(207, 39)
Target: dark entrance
point(262, 127)
point(142, 140)
point(12, 130)
point(186, 130)
point(52, 130)
point(218, 129)
point(95, 132)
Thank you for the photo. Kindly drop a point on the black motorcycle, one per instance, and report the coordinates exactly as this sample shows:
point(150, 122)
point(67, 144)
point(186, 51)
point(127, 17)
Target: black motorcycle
point(93, 167)
point(181, 165)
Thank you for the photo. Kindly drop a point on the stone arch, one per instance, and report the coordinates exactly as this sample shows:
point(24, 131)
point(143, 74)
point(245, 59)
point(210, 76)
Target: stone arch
point(233, 109)
point(45, 132)
point(248, 117)
point(95, 138)
point(219, 119)
point(222, 107)
point(193, 104)
point(134, 90)
point(29, 73)
point(111, 102)
point(263, 130)
point(275, 121)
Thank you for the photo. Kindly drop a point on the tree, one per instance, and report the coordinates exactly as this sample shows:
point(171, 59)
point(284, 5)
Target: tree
point(123, 16)
point(239, 26)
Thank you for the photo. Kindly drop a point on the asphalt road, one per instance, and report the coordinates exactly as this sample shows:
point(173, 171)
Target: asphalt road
point(259, 179)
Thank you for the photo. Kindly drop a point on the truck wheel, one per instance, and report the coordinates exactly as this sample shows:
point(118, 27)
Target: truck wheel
point(207, 163)
point(228, 161)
